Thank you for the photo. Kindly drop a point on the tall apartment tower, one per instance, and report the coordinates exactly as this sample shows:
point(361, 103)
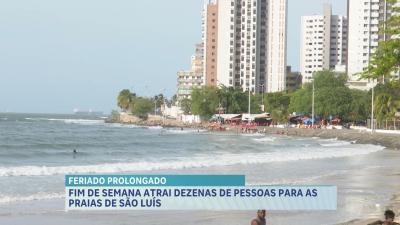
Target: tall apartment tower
point(323, 43)
point(252, 44)
point(365, 19)
point(210, 40)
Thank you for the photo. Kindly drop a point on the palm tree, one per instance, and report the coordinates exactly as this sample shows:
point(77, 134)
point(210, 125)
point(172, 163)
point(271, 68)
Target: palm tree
point(385, 107)
point(125, 99)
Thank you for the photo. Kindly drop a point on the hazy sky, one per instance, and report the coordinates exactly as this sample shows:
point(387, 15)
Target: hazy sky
point(59, 55)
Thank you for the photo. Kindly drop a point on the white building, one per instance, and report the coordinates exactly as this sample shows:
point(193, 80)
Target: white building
point(252, 44)
point(187, 80)
point(323, 43)
point(365, 18)
point(193, 78)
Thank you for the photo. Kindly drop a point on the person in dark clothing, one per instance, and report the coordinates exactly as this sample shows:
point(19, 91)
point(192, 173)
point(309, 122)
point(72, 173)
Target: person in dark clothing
point(389, 219)
point(260, 219)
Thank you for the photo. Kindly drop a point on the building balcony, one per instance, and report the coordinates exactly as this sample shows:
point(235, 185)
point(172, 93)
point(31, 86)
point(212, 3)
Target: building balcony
point(191, 81)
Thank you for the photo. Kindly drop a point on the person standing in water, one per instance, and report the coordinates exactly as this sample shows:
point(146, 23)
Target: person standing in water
point(260, 219)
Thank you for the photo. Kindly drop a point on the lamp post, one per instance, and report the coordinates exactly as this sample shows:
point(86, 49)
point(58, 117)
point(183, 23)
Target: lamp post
point(372, 108)
point(313, 103)
point(248, 86)
point(262, 97)
point(155, 106)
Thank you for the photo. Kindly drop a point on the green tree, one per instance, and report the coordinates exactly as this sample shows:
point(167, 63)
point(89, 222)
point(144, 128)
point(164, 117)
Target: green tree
point(205, 101)
point(234, 100)
point(385, 107)
point(159, 100)
point(276, 101)
point(360, 106)
point(125, 99)
point(332, 97)
point(186, 106)
point(142, 107)
point(335, 101)
point(279, 116)
point(301, 100)
point(386, 59)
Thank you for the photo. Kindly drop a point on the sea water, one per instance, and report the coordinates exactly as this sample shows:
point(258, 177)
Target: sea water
point(36, 151)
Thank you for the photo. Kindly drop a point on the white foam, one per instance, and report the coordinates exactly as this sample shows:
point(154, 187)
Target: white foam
point(335, 144)
point(123, 125)
point(80, 121)
point(70, 121)
point(198, 161)
point(265, 139)
point(155, 127)
point(253, 135)
point(5, 199)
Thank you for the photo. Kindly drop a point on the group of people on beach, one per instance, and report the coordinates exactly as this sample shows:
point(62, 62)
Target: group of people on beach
point(389, 219)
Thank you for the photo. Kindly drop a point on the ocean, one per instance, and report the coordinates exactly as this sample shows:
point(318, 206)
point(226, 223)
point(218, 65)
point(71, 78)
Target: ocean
point(36, 151)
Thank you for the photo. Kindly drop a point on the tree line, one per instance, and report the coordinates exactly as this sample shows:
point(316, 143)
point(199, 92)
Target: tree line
point(139, 106)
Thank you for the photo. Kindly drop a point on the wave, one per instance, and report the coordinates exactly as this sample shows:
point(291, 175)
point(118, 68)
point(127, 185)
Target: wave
point(333, 143)
point(199, 161)
point(253, 135)
point(120, 125)
point(70, 121)
point(187, 131)
point(337, 144)
point(79, 121)
point(265, 139)
point(5, 199)
point(155, 127)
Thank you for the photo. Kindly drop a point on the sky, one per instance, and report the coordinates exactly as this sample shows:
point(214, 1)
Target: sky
point(56, 56)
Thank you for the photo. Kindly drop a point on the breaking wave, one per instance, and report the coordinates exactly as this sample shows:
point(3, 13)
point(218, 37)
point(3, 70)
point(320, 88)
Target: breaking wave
point(197, 161)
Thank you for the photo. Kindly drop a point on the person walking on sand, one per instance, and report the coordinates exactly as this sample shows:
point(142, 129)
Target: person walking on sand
point(389, 219)
point(260, 219)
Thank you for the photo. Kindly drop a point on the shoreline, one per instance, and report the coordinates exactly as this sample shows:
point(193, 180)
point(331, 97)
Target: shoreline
point(390, 141)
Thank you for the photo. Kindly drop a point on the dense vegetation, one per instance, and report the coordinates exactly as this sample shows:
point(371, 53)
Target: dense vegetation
point(139, 106)
point(332, 97)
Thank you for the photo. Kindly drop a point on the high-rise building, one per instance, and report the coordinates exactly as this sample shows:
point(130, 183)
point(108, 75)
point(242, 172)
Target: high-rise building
point(252, 44)
point(193, 78)
point(323, 43)
point(365, 20)
point(293, 80)
point(210, 40)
